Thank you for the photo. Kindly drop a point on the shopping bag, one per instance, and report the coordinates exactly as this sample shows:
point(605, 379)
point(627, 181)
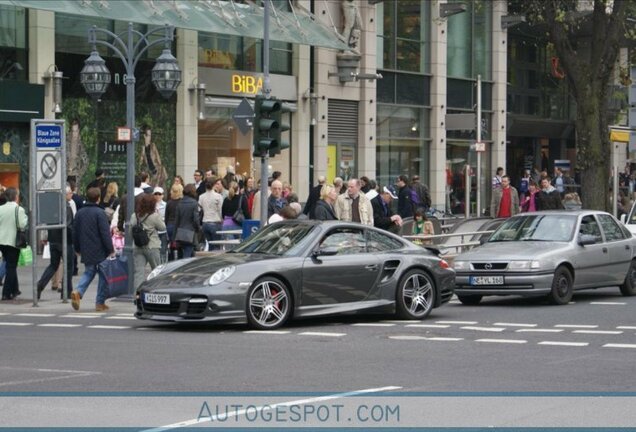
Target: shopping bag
point(118, 243)
point(26, 257)
point(46, 252)
point(115, 271)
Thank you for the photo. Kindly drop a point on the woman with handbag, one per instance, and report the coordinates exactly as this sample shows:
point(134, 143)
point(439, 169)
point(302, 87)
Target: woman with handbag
point(149, 220)
point(13, 224)
point(188, 221)
point(234, 210)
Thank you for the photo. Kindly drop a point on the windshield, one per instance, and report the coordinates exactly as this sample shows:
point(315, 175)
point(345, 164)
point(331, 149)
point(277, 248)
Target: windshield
point(276, 239)
point(552, 227)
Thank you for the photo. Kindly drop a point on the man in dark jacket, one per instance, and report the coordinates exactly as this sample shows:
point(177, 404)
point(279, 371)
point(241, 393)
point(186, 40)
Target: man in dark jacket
point(383, 216)
point(548, 198)
point(92, 242)
point(405, 204)
point(56, 245)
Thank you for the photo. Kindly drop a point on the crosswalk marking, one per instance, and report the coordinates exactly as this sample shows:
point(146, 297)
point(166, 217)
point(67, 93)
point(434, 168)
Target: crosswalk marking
point(79, 316)
point(503, 324)
point(457, 322)
point(265, 332)
point(35, 315)
point(556, 343)
point(608, 303)
point(108, 327)
point(373, 325)
point(121, 318)
point(607, 332)
point(15, 324)
point(538, 330)
point(322, 334)
point(626, 327)
point(428, 325)
point(615, 345)
point(581, 326)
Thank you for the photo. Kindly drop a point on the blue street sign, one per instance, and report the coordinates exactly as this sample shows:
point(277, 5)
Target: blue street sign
point(250, 226)
point(48, 136)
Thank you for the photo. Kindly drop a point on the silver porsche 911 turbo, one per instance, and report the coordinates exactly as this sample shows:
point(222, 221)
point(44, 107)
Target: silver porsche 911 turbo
point(300, 269)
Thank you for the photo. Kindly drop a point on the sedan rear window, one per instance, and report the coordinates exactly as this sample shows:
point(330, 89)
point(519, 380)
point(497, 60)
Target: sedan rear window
point(536, 228)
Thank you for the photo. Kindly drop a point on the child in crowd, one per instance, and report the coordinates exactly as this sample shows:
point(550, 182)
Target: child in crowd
point(421, 225)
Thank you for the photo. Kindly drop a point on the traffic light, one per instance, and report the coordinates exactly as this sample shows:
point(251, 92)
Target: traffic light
point(265, 125)
point(269, 126)
point(278, 143)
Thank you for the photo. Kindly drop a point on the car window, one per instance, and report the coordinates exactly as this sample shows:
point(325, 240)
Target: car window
point(589, 226)
point(612, 231)
point(378, 242)
point(346, 240)
point(535, 227)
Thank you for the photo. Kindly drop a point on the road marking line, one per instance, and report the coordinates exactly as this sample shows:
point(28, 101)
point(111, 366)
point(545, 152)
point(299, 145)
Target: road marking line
point(457, 322)
point(4, 313)
point(613, 345)
point(626, 327)
point(263, 408)
point(582, 326)
point(126, 314)
point(608, 303)
point(79, 316)
point(322, 334)
point(538, 330)
point(572, 344)
point(277, 332)
point(108, 327)
point(373, 325)
point(486, 329)
point(407, 337)
point(454, 302)
point(16, 324)
point(513, 324)
point(59, 325)
point(69, 374)
point(121, 318)
point(608, 332)
point(423, 338)
point(428, 325)
point(44, 315)
point(400, 321)
point(444, 339)
point(510, 341)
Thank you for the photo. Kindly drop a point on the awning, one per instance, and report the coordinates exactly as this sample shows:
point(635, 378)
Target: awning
point(214, 16)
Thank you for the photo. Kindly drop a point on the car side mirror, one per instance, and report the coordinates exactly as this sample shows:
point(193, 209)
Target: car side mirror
point(624, 218)
point(326, 251)
point(587, 239)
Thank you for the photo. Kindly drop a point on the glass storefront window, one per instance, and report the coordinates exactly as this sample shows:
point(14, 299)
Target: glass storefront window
point(403, 142)
point(13, 45)
point(243, 53)
point(458, 155)
point(403, 35)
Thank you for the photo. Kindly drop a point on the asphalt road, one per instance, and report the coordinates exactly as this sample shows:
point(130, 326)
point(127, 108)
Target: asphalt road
point(503, 344)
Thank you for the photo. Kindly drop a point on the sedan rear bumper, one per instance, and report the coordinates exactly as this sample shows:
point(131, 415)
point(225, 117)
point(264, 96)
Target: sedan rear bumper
point(523, 284)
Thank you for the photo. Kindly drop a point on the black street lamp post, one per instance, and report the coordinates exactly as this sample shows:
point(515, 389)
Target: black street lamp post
point(95, 77)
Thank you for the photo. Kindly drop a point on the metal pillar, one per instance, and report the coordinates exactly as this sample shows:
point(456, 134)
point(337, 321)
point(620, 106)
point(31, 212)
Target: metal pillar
point(267, 90)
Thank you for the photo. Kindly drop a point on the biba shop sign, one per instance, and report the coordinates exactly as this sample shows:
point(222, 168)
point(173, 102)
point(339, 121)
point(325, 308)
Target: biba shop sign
point(246, 84)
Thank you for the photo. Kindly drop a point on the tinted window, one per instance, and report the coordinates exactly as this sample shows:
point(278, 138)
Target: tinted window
point(610, 227)
point(535, 228)
point(378, 242)
point(346, 240)
point(589, 226)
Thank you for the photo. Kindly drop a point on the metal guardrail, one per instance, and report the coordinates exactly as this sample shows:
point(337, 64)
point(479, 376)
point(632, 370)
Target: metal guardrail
point(447, 249)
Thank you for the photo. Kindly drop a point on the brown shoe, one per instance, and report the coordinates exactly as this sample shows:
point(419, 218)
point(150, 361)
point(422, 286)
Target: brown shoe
point(101, 308)
point(75, 300)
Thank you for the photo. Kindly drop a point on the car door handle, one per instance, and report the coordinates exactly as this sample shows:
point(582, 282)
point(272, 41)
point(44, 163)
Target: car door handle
point(371, 267)
point(604, 250)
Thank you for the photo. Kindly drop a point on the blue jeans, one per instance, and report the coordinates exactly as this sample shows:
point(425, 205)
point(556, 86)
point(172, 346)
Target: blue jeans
point(209, 230)
point(3, 269)
point(88, 276)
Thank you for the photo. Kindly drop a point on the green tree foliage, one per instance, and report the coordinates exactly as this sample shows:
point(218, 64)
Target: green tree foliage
point(586, 37)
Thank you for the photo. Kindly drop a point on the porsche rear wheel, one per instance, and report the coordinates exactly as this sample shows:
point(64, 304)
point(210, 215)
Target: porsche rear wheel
point(415, 296)
point(268, 304)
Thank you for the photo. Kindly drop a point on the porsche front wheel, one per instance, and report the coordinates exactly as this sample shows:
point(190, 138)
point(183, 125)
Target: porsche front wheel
point(268, 304)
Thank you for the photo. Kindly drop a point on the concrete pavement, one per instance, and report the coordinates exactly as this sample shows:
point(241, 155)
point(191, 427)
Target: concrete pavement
point(50, 301)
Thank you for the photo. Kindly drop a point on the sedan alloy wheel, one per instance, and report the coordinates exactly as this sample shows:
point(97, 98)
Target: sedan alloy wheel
point(416, 295)
point(268, 304)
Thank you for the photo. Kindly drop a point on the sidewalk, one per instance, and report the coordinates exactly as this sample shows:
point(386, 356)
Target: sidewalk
point(50, 301)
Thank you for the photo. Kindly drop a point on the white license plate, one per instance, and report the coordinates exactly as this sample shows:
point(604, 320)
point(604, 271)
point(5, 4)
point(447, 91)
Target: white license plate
point(486, 280)
point(156, 298)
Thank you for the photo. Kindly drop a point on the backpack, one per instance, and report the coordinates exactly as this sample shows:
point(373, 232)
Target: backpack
point(139, 234)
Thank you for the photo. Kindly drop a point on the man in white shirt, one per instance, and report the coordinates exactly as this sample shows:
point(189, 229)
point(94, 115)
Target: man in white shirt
point(163, 235)
point(211, 203)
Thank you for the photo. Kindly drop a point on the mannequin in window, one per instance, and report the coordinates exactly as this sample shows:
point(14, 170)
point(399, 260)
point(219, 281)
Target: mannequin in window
point(150, 160)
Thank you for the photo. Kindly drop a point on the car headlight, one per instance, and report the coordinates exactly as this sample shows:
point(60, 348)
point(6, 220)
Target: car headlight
point(156, 271)
point(221, 275)
point(523, 265)
point(461, 265)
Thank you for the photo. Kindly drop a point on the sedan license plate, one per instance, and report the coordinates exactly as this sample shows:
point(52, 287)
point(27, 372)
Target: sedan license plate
point(486, 280)
point(156, 298)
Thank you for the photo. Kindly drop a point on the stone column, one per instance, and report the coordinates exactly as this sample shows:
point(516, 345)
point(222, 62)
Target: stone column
point(367, 110)
point(42, 54)
point(187, 123)
point(299, 150)
point(499, 90)
point(437, 168)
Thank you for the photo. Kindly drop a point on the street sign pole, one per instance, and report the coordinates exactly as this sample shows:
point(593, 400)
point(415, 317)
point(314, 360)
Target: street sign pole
point(478, 140)
point(267, 93)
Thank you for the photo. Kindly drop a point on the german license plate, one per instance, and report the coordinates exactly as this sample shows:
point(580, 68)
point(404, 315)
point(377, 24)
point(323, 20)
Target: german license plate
point(156, 298)
point(486, 280)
